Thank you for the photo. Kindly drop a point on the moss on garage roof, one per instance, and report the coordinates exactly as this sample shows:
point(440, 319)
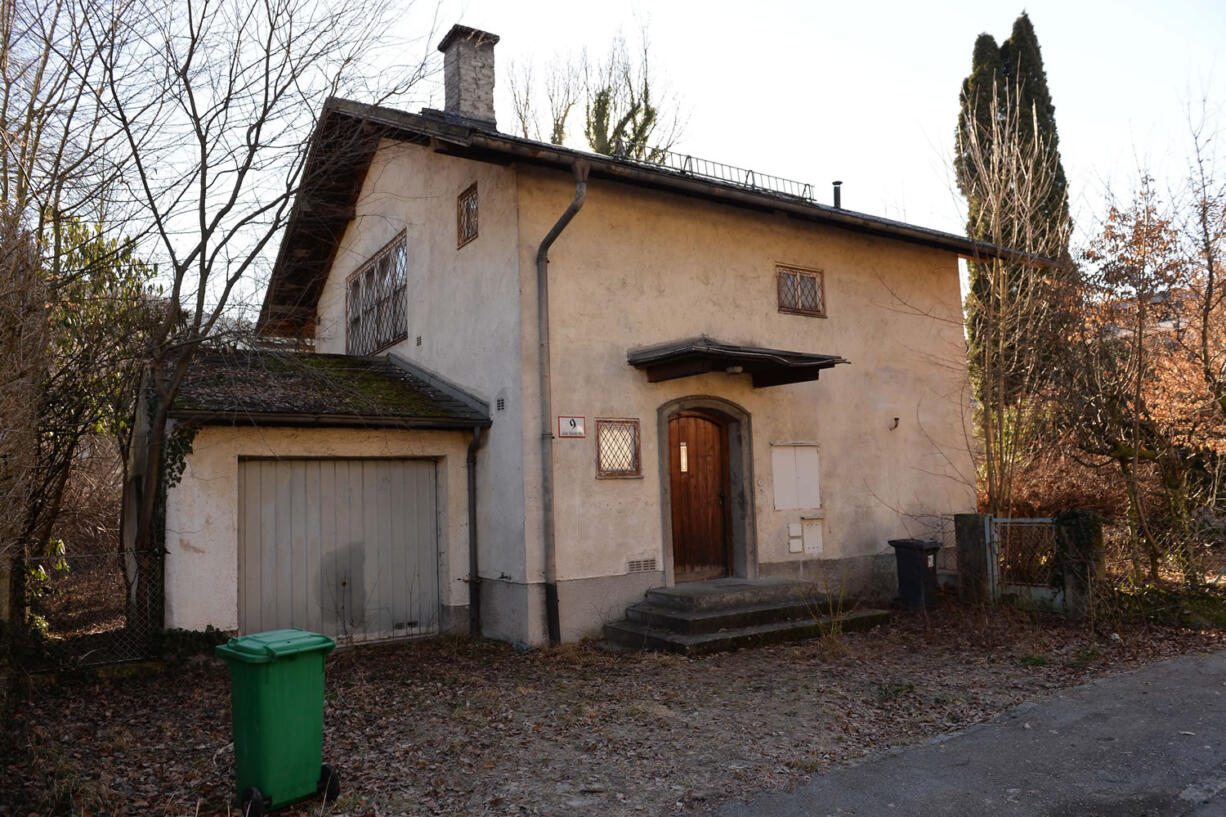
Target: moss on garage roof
point(265, 386)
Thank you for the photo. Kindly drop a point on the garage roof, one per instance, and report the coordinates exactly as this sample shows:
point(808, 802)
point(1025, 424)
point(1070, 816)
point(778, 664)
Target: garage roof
point(263, 387)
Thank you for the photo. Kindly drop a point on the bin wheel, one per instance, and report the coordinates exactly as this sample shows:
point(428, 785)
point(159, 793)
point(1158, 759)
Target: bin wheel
point(329, 784)
point(252, 803)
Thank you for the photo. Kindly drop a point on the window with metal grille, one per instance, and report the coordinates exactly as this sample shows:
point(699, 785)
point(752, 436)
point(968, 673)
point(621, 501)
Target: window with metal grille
point(801, 291)
point(377, 301)
point(617, 448)
point(466, 216)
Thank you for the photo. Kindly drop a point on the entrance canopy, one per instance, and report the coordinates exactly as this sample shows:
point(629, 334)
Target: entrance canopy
point(768, 367)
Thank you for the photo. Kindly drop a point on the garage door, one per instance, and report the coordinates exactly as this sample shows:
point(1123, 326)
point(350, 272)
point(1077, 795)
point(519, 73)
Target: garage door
point(346, 547)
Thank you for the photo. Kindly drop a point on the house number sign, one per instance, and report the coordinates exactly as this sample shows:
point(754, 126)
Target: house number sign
point(570, 427)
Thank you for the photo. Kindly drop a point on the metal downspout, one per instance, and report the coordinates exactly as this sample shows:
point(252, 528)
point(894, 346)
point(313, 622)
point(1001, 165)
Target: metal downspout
point(580, 169)
point(474, 577)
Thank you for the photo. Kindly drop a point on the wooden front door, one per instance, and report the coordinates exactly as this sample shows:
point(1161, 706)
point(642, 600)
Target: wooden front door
point(698, 476)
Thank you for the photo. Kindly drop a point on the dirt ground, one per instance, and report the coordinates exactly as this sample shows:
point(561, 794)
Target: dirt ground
point(462, 727)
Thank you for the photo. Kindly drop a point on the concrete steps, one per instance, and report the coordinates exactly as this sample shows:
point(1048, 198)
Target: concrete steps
point(728, 614)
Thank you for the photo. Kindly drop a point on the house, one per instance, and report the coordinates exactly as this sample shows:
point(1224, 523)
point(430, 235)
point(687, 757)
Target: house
point(578, 377)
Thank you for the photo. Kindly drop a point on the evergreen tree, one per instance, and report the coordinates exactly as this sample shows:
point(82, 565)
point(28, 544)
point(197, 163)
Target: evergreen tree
point(1007, 163)
point(979, 94)
point(1012, 77)
point(1023, 66)
point(621, 118)
point(1006, 108)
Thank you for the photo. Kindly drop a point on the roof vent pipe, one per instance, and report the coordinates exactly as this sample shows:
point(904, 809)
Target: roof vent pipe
point(838, 195)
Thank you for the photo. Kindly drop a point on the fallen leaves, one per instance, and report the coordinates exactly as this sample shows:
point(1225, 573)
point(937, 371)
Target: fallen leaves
point(462, 727)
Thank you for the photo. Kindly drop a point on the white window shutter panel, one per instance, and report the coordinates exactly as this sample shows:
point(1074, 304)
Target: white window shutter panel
point(808, 493)
point(783, 471)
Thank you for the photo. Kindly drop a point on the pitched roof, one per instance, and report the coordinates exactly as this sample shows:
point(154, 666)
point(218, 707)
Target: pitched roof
point(348, 134)
point(303, 388)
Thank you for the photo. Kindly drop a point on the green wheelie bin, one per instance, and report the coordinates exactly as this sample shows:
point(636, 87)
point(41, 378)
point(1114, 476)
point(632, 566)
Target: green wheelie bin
point(277, 696)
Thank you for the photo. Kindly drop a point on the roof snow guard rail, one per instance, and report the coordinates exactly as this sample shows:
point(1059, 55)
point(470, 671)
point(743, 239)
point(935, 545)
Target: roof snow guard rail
point(688, 165)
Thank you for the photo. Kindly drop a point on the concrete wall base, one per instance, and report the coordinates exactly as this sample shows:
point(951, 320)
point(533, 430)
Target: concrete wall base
point(513, 611)
point(586, 605)
point(453, 620)
point(867, 578)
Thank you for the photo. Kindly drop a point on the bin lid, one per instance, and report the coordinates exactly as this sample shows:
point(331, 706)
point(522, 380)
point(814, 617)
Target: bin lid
point(262, 648)
point(916, 544)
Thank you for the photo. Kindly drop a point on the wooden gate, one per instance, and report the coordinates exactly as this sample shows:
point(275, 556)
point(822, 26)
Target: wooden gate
point(345, 547)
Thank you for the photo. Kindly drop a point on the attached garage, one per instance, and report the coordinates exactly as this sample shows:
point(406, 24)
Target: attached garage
point(346, 547)
point(324, 492)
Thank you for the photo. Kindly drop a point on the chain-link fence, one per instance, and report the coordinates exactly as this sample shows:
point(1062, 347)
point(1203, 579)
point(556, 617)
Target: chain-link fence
point(1026, 550)
point(95, 608)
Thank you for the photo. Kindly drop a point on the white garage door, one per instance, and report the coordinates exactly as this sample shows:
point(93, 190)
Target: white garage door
point(343, 547)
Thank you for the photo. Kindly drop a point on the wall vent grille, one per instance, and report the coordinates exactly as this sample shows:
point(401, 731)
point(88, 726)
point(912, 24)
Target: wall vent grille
point(641, 565)
point(502, 404)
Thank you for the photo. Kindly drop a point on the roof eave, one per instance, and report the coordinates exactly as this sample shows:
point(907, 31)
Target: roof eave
point(302, 420)
point(461, 139)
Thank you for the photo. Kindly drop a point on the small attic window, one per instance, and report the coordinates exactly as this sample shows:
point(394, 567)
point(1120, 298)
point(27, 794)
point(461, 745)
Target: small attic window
point(466, 216)
point(801, 291)
point(376, 301)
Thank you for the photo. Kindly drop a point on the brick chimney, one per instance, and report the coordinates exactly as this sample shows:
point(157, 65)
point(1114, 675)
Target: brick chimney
point(468, 74)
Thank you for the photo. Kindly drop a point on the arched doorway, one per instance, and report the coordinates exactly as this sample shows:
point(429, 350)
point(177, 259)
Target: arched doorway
point(706, 479)
point(700, 500)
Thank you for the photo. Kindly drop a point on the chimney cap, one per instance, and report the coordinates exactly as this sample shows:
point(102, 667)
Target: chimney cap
point(459, 32)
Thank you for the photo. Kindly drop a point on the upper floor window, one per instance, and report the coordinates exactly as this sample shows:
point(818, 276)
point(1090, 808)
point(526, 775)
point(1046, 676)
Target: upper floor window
point(466, 216)
point(377, 301)
point(801, 291)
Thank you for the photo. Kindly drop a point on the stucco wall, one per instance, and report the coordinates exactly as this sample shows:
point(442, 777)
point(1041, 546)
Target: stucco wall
point(637, 268)
point(202, 510)
point(464, 305)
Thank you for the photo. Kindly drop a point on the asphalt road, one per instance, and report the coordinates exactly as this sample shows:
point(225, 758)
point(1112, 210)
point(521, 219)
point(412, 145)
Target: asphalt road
point(1150, 743)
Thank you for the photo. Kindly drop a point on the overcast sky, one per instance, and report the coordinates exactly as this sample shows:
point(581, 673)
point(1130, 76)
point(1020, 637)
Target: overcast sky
point(868, 92)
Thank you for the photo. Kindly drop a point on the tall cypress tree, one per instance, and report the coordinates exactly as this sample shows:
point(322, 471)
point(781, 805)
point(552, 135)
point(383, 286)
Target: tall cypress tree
point(1007, 83)
point(1007, 162)
point(1023, 65)
point(1010, 80)
point(978, 98)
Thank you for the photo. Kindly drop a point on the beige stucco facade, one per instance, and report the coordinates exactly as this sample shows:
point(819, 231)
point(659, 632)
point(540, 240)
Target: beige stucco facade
point(202, 524)
point(638, 268)
point(635, 268)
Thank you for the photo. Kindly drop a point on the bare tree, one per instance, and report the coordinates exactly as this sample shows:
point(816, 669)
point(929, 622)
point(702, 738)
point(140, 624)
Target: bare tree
point(1205, 228)
point(55, 159)
point(214, 101)
point(1107, 395)
point(68, 290)
point(1021, 299)
point(627, 109)
point(23, 352)
point(563, 88)
point(1141, 391)
point(523, 99)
